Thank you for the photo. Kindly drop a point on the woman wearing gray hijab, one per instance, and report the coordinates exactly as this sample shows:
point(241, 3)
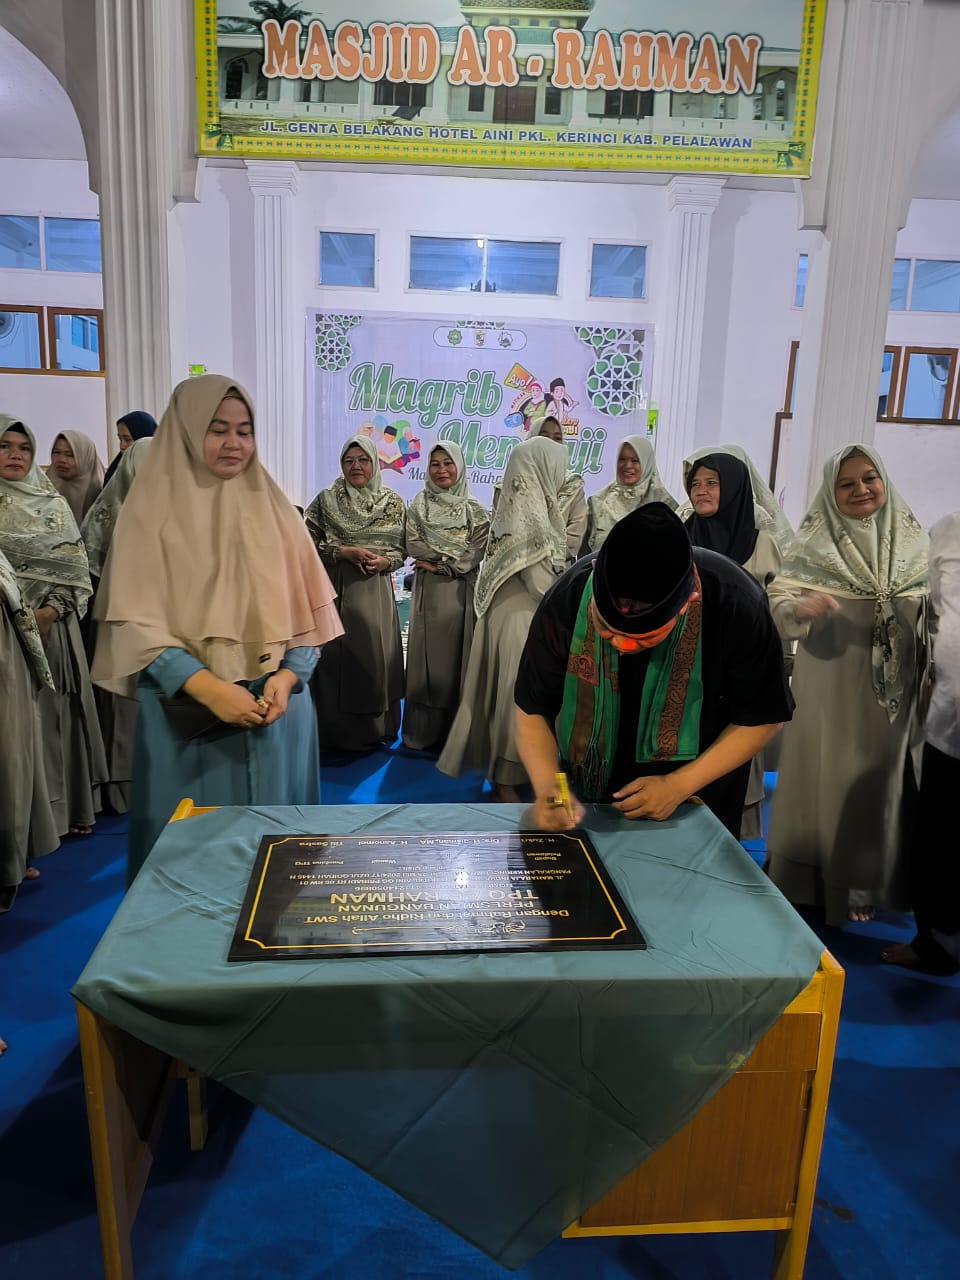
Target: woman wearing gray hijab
point(446, 531)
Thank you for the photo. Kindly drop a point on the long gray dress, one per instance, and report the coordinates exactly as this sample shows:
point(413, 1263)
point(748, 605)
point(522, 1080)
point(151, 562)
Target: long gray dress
point(442, 622)
point(27, 827)
point(358, 683)
point(74, 757)
point(483, 735)
point(840, 811)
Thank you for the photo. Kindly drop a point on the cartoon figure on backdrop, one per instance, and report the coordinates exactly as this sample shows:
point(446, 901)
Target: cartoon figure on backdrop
point(530, 406)
point(557, 401)
point(395, 443)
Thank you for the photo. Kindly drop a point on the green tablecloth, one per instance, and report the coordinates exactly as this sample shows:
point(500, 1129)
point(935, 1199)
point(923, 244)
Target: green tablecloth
point(502, 1093)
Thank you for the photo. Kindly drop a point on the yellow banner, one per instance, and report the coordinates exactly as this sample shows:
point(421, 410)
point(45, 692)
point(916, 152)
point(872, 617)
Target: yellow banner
point(535, 84)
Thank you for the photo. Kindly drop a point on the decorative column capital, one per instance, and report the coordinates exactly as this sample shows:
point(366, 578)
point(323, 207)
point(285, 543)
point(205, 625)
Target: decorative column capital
point(273, 177)
point(698, 194)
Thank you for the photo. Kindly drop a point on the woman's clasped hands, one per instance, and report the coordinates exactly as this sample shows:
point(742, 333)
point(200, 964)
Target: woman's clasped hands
point(367, 562)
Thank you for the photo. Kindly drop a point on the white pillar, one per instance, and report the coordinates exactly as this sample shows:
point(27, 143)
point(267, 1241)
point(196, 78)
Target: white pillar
point(279, 407)
point(145, 161)
point(860, 209)
point(691, 202)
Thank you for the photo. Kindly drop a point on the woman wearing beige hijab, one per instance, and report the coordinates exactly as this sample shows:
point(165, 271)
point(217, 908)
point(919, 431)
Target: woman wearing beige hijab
point(526, 552)
point(213, 603)
point(850, 590)
point(636, 483)
point(76, 471)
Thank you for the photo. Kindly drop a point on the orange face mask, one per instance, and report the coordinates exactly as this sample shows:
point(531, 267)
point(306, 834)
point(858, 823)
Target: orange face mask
point(624, 643)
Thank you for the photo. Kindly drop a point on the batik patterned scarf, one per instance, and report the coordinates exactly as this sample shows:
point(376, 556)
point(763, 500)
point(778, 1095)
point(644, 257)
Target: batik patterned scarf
point(668, 724)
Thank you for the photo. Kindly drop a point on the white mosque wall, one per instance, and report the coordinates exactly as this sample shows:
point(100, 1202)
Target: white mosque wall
point(750, 316)
point(51, 402)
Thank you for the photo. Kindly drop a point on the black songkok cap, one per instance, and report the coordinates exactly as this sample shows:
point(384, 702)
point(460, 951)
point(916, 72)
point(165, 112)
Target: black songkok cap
point(643, 575)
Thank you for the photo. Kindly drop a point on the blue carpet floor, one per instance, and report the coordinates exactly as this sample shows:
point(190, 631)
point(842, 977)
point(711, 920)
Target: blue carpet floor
point(262, 1202)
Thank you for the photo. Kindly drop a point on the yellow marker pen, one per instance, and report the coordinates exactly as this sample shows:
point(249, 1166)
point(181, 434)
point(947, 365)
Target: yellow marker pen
point(563, 794)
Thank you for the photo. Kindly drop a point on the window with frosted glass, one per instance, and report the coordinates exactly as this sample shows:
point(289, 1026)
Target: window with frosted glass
point(800, 286)
point(72, 244)
point(19, 242)
point(348, 258)
point(936, 286)
point(899, 281)
point(926, 381)
point(445, 262)
point(484, 266)
point(20, 340)
point(618, 271)
point(522, 266)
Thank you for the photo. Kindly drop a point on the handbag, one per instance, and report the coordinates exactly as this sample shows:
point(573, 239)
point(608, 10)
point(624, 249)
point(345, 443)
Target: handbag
point(190, 719)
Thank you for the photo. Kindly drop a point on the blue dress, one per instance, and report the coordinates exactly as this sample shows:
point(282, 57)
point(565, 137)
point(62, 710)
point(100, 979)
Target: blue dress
point(276, 764)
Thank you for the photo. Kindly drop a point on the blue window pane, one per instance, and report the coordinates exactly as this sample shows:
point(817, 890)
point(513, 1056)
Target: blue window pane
point(73, 244)
point(19, 340)
point(77, 342)
point(522, 266)
point(928, 374)
point(437, 262)
point(19, 242)
point(898, 284)
point(618, 271)
point(800, 287)
point(936, 286)
point(348, 258)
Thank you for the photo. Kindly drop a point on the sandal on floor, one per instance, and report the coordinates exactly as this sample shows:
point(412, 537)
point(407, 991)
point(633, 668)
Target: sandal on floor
point(80, 830)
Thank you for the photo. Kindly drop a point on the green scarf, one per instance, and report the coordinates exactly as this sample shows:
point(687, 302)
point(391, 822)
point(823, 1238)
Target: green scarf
point(668, 724)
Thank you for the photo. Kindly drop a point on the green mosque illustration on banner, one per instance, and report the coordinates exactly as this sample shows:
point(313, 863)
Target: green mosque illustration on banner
point(554, 84)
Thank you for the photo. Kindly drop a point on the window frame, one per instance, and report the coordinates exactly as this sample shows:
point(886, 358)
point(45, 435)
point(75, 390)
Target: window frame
point(350, 231)
point(483, 292)
point(38, 311)
point(41, 241)
point(46, 323)
point(645, 245)
point(924, 311)
point(95, 313)
point(949, 392)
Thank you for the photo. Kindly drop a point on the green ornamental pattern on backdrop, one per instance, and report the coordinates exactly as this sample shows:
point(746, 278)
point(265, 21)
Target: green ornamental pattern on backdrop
point(332, 349)
point(615, 381)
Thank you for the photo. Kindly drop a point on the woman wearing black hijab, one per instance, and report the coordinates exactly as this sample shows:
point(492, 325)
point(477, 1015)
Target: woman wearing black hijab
point(724, 520)
point(135, 425)
point(724, 515)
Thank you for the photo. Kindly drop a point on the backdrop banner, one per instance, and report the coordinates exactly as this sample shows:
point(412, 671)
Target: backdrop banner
point(731, 87)
point(409, 382)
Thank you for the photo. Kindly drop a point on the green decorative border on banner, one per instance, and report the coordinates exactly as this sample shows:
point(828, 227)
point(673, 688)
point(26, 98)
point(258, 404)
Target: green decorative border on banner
point(787, 156)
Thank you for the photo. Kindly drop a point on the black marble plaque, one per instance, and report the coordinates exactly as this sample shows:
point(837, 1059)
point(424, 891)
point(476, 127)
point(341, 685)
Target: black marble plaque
point(373, 894)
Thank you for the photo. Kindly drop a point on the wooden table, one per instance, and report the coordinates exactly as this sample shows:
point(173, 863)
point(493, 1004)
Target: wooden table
point(746, 1162)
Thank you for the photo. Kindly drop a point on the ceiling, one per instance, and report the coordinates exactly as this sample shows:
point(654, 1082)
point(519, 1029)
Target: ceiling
point(37, 119)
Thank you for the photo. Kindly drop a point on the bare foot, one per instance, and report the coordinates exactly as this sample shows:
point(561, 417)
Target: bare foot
point(506, 795)
point(900, 953)
point(859, 914)
point(31, 873)
point(3, 1045)
point(79, 830)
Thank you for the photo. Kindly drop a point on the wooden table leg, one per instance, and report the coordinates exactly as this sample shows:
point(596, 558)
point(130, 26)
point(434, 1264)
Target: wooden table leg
point(127, 1085)
point(790, 1247)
